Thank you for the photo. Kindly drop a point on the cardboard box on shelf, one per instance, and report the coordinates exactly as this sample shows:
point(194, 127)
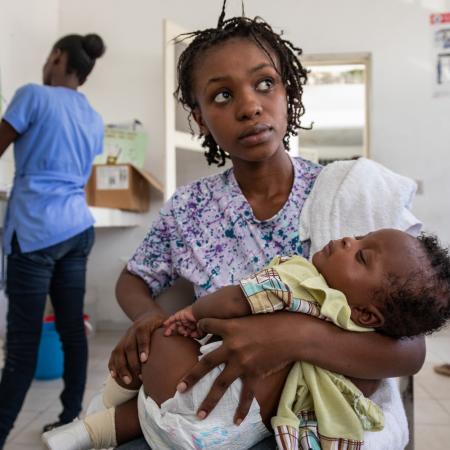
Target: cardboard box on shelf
point(122, 186)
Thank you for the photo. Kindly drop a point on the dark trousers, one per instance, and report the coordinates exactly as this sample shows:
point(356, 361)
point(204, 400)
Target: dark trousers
point(58, 271)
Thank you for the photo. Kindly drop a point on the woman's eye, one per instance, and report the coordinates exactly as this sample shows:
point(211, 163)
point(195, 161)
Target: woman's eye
point(222, 97)
point(265, 85)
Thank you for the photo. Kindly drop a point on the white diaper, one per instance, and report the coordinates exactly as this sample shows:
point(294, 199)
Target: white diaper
point(175, 426)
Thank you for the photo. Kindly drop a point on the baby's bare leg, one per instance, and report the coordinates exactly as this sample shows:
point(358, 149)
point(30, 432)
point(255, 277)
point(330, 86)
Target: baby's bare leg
point(127, 421)
point(170, 359)
point(268, 392)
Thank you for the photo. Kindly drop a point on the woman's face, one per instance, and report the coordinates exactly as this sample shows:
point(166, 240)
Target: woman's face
point(241, 100)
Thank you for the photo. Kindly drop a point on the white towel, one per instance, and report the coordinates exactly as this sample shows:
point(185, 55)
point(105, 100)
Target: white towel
point(395, 434)
point(353, 198)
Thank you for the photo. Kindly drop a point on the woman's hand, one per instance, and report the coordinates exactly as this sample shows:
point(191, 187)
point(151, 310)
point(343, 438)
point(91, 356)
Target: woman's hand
point(133, 347)
point(248, 351)
point(256, 346)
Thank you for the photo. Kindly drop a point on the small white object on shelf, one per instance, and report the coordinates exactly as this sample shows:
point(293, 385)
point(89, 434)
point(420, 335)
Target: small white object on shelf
point(111, 217)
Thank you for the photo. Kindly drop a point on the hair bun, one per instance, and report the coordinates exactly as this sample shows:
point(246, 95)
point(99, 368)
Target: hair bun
point(93, 45)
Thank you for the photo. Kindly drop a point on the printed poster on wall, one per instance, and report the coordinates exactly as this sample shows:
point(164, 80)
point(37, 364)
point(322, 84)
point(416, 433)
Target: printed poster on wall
point(440, 28)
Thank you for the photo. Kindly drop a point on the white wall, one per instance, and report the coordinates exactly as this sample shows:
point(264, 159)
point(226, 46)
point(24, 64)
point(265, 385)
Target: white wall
point(28, 29)
point(410, 129)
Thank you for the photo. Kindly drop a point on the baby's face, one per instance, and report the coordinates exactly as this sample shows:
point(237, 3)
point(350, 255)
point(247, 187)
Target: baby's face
point(358, 266)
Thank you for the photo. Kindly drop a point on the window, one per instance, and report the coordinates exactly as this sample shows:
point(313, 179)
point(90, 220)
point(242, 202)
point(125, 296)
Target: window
point(336, 100)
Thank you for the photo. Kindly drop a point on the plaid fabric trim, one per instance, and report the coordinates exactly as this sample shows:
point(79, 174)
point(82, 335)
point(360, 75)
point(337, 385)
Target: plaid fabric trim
point(306, 307)
point(266, 292)
point(287, 438)
point(307, 437)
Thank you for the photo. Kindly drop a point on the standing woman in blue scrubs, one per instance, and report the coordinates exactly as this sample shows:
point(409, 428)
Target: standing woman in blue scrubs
point(48, 231)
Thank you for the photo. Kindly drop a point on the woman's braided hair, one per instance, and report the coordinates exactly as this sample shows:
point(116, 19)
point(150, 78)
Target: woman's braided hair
point(293, 74)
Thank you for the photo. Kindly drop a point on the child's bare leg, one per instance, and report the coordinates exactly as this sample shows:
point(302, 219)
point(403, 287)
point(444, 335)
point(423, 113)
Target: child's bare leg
point(170, 358)
point(268, 392)
point(127, 421)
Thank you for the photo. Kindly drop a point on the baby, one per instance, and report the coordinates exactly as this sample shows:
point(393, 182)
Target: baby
point(387, 281)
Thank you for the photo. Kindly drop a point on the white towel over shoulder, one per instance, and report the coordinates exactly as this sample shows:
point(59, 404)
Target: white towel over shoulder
point(353, 198)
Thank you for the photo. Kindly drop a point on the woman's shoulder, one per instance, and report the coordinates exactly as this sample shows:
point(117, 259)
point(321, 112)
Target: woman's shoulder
point(305, 166)
point(306, 173)
point(40, 95)
point(205, 191)
point(30, 90)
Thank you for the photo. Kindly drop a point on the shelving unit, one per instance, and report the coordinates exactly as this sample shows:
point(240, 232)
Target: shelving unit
point(115, 218)
point(186, 141)
point(104, 217)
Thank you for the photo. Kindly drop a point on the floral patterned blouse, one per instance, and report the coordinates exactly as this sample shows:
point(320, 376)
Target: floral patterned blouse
point(207, 233)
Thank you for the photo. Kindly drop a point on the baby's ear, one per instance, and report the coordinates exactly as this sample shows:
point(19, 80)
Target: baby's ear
point(199, 120)
point(368, 316)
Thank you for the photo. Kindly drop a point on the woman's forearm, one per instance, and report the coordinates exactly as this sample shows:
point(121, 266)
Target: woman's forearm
point(134, 296)
point(7, 136)
point(360, 355)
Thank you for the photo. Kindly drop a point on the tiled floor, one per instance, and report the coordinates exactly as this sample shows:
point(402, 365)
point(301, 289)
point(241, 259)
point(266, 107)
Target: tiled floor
point(432, 397)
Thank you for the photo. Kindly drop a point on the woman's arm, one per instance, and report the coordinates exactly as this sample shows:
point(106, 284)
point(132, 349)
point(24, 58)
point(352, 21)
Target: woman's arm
point(256, 346)
point(359, 355)
point(7, 136)
point(134, 298)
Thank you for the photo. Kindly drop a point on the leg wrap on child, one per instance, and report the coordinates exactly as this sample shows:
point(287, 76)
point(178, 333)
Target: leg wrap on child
point(114, 394)
point(102, 428)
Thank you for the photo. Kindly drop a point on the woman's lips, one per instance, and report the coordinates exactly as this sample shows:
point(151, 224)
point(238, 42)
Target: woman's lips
point(257, 134)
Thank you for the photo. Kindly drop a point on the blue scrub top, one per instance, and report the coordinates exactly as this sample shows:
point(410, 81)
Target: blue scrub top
point(60, 135)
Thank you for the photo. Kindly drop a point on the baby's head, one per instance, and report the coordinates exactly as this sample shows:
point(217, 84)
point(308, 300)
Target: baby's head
point(395, 283)
point(195, 59)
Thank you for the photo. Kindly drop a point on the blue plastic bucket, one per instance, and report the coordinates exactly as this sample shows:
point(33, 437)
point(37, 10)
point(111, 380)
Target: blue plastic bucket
point(50, 362)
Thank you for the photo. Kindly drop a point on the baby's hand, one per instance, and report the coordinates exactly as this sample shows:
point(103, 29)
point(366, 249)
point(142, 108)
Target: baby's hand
point(183, 323)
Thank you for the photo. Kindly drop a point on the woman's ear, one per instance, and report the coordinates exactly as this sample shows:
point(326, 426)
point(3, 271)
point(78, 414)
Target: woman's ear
point(200, 122)
point(368, 316)
point(56, 55)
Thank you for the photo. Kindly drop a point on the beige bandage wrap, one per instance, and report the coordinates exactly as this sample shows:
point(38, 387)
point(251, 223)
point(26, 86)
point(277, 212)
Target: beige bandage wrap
point(101, 427)
point(114, 394)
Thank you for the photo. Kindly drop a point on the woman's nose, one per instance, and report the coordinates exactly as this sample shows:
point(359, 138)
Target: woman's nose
point(249, 107)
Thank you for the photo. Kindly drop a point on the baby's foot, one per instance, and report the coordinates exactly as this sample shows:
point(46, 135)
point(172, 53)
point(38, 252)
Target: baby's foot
point(73, 436)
